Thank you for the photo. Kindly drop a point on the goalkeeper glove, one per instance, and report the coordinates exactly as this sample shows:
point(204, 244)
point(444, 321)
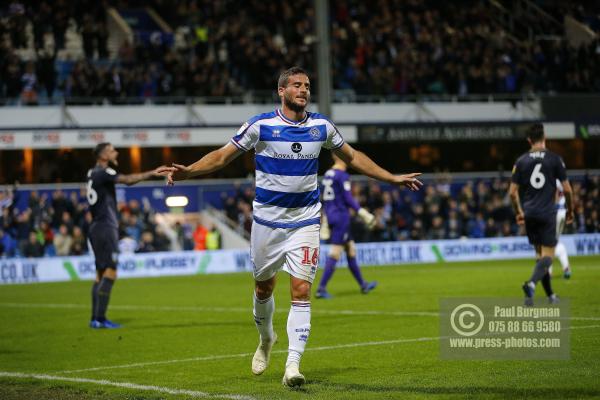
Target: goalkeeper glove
point(367, 217)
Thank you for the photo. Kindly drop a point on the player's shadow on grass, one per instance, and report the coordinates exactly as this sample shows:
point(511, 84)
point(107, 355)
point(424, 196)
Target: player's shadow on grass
point(10, 351)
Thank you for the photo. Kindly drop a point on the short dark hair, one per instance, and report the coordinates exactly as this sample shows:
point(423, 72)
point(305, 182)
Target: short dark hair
point(285, 75)
point(100, 148)
point(535, 133)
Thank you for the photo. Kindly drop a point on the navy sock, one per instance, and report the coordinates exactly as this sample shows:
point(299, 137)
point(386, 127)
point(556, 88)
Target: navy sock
point(104, 289)
point(541, 269)
point(328, 273)
point(353, 265)
point(94, 299)
point(546, 284)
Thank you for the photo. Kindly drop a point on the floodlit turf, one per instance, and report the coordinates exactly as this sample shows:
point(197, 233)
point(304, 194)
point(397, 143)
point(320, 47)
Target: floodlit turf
point(197, 334)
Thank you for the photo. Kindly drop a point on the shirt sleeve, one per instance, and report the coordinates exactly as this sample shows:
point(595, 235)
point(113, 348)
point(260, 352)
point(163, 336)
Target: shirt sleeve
point(108, 175)
point(348, 198)
point(516, 173)
point(561, 169)
point(247, 136)
point(334, 137)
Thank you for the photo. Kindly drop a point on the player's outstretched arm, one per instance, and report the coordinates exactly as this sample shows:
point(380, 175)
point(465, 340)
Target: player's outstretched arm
point(363, 164)
point(211, 162)
point(132, 179)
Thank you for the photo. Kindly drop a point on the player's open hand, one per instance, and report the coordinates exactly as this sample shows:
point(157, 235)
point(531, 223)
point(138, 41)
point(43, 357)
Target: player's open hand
point(410, 181)
point(163, 170)
point(520, 218)
point(179, 172)
point(570, 217)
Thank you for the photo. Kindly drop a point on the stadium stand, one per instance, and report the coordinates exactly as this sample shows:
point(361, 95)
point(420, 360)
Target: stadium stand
point(58, 225)
point(60, 50)
point(474, 208)
point(63, 51)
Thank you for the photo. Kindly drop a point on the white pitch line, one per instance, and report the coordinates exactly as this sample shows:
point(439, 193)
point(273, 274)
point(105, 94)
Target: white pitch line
point(244, 310)
point(199, 394)
point(585, 327)
point(221, 309)
point(127, 385)
point(144, 364)
point(243, 355)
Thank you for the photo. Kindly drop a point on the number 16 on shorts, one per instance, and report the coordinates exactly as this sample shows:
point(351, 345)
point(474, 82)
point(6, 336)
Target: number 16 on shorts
point(310, 256)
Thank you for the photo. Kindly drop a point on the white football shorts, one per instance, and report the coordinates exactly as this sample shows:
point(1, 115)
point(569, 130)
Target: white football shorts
point(295, 250)
point(561, 216)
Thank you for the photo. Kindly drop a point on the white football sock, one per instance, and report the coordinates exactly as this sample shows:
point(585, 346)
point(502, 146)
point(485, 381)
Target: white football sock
point(263, 317)
point(298, 330)
point(561, 254)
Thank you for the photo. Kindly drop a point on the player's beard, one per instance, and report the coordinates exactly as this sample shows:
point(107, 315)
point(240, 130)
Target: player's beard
point(113, 163)
point(295, 107)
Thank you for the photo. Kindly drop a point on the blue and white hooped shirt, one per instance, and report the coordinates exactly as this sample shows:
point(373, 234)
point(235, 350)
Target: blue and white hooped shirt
point(287, 163)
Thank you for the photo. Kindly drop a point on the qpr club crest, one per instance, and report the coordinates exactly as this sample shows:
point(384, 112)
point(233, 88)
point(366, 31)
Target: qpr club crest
point(296, 147)
point(315, 133)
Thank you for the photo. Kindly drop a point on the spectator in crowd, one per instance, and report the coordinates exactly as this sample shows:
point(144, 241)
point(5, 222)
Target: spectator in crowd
point(180, 236)
point(79, 245)
point(200, 237)
point(133, 226)
point(147, 243)
point(29, 85)
point(127, 245)
point(45, 235)
point(161, 239)
point(245, 216)
point(22, 229)
point(213, 238)
point(33, 248)
point(447, 210)
point(85, 223)
point(6, 219)
point(2, 245)
point(63, 241)
point(397, 49)
point(9, 245)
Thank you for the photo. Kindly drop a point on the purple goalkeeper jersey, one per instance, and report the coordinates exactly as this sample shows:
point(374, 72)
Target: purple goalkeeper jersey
point(337, 197)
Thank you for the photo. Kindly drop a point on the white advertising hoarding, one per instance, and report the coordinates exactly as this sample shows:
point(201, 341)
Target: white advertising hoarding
point(23, 270)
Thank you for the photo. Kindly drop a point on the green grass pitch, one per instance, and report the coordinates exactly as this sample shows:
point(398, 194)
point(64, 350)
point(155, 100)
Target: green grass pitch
point(186, 337)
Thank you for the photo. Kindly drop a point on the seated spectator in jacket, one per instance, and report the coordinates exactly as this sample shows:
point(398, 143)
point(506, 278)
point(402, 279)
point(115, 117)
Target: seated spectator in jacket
point(63, 241)
point(147, 243)
point(33, 248)
point(79, 245)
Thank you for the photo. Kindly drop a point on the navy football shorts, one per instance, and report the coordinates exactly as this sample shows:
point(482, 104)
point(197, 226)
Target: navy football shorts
point(105, 244)
point(541, 230)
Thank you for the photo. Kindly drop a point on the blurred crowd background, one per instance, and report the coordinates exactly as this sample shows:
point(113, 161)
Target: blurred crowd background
point(58, 224)
point(54, 51)
point(61, 51)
